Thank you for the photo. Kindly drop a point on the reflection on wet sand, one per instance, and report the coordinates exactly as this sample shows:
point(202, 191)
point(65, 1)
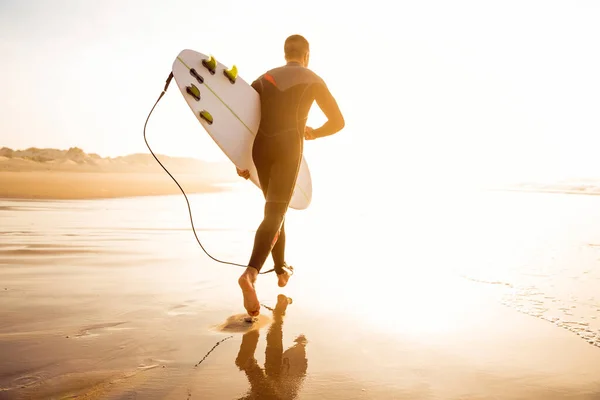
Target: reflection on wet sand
point(284, 371)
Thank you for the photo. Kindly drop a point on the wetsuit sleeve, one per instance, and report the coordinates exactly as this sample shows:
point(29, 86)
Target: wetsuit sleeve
point(327, 104)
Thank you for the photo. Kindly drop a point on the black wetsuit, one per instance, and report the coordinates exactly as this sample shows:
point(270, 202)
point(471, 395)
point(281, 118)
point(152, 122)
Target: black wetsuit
point(286, 94)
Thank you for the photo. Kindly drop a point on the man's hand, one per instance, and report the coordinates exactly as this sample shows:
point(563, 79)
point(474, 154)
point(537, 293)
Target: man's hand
point(308, 133)
point(243, 173)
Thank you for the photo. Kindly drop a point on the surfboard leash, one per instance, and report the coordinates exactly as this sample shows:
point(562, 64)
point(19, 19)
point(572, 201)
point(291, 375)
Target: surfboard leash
point(168, 81)
point(228, 337)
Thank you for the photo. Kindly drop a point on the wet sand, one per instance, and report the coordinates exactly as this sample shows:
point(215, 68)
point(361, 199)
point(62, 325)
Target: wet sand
point(102, 336)
point(98, 310)
point(91, 185)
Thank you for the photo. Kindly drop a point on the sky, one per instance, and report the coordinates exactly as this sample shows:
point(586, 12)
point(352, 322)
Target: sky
point(430, 90)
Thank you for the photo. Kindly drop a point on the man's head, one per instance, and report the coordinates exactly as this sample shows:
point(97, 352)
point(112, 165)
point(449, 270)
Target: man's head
point(296, 49)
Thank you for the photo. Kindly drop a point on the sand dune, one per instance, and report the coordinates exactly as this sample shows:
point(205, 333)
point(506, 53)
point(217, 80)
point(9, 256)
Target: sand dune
point(74, 174)
point(90, 185)
point(76, 160)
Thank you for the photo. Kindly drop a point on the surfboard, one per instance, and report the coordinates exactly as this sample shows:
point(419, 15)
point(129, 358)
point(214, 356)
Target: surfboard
point(228, 108)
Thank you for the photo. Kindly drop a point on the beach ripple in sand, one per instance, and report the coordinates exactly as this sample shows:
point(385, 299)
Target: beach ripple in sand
point(27, 380)
point(98, 329)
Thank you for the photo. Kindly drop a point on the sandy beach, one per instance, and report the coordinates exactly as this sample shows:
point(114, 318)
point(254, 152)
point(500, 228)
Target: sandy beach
point(112, 340)
point(93, 185)
point(110, 304)
point(53, 174)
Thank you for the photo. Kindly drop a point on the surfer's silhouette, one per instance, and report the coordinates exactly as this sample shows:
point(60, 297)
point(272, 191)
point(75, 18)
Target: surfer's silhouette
point(286, 96)
point(284, 371)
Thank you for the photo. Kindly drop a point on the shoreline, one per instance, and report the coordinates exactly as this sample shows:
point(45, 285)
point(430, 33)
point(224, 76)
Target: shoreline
point(550, 191)
point(85, 185)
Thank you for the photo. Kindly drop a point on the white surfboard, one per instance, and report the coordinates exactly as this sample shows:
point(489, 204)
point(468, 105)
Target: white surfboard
point(229, 110)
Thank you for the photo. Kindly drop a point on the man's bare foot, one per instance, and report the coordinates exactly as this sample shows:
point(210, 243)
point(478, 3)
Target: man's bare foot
point(282, 279)
point(246, 282)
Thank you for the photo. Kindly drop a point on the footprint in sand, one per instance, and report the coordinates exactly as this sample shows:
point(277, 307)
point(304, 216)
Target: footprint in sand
point(97, 329)
point(180, 309)
point(27, 380)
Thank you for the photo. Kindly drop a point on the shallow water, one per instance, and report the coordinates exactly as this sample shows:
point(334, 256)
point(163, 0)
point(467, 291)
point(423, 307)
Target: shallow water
point(126, 284)
point(541, 250)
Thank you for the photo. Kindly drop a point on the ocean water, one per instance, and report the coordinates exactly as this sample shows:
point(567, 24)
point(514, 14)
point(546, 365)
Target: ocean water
point(539, 253)
point(542, 252)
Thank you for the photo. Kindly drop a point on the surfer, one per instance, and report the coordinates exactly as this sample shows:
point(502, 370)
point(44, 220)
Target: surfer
point(286, 96)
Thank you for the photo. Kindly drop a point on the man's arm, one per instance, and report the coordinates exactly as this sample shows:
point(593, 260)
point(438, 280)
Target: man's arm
point(257, 85)
point(327, 104)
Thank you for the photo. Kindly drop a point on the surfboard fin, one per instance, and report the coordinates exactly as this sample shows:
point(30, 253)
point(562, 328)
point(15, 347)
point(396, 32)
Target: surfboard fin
point(231, 73)
point(205, 115)
point(193, 91)
point(210, 64)
point(198, 77)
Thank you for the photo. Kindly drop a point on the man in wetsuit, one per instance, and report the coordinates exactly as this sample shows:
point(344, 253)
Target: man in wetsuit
point(286, 95)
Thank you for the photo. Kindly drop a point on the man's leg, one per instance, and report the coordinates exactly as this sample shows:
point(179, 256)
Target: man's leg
point(267, 234)
point(260, 156)
point(264, 240)
point(278, 254)
point(285, 175)
point(278, 251)
point(279, 179)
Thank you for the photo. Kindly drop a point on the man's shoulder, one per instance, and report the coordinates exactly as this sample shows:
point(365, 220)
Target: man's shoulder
point(316, 76)
point(285, 77)
point(295, 73)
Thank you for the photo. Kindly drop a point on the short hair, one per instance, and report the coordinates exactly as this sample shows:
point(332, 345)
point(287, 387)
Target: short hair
point(296, 46)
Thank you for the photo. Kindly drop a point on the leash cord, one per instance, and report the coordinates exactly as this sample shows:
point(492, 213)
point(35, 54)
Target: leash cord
point(168, 81)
